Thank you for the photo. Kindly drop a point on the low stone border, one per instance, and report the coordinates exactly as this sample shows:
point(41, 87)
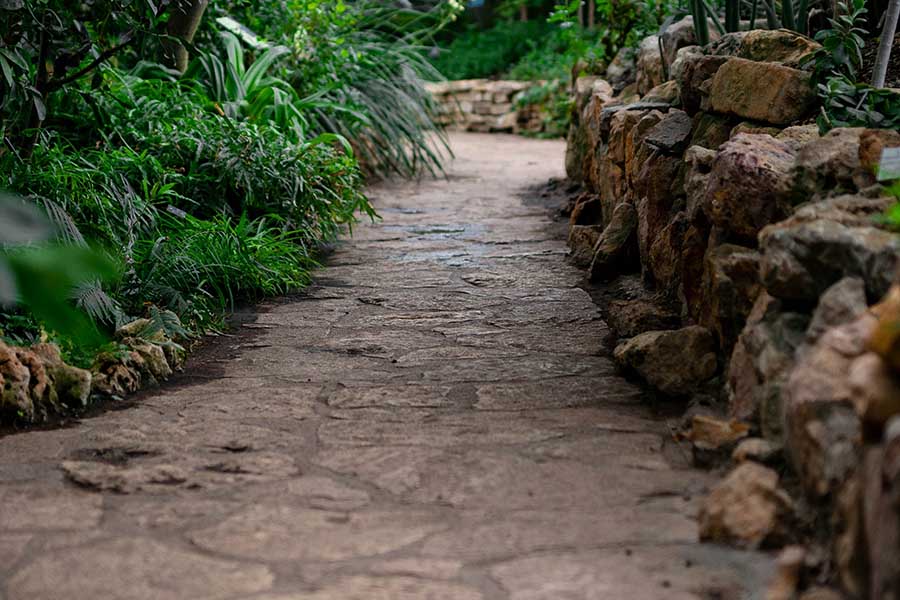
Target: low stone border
point(486, 106)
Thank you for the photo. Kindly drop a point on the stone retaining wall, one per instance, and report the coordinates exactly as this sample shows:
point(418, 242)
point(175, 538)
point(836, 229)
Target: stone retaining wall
point(772, 290)
point(486, 106)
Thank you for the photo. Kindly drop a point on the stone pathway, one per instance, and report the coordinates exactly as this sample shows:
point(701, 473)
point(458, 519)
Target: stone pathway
point(435, 420)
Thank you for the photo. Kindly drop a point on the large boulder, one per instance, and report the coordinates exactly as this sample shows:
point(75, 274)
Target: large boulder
point(694, 76)
point(763, 45)
point(803, 256)
point(762, 92)
point(747, 184)
point(747, 509)
point(674, 362)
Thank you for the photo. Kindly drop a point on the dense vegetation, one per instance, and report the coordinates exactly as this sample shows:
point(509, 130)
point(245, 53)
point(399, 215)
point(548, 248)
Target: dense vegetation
point(546, 40)
point(191, 175)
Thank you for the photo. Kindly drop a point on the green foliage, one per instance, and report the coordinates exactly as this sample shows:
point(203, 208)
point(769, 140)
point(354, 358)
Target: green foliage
point(846, 104)
point(200, 269)
point(892, 216)
point(553, 101)
point(41, 275)
point(842, 44)
point(477, 54)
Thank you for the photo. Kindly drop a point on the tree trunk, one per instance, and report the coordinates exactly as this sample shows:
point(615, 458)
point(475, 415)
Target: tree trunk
point(884, 45)
point(183, 24)
point(592, 13)
point(523, 12)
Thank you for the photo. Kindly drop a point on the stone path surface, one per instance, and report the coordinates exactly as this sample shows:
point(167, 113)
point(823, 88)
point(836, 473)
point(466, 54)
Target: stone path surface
point(436, 419)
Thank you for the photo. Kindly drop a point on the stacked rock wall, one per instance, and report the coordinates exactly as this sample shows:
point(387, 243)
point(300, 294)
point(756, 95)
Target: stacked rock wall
point(485, 105)
point(758, 242)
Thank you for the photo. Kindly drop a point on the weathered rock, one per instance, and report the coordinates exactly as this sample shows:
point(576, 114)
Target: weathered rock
point(695, 79)
point(871, 144)
point(830, 164)
point(698, 238)
point(628, 318)
point(788, 570)
point(875, 390)
point(676, 36)
point(621, 123)
point(115, 375)
point(582, 241)
point(885, 339)
point(758, 450)
point(659, 188)
point(801, 259)
point(699, 161)
point(71, 385)
point(709, 433)
point(588, 211)
point(762, 91)
point(761, 362)
point(649, 65)
point(763, 45)
point(881, 506)
point(40, 387)
point(154, 359)
point(841, 303)
point(730, 287)
point(636, 152)
point(664, 260)
point(823, 430)
point(623, 68)
point(797, 136)
point(675, 362)
point(15, 380)
point(749, 177)
point(711, 130)
point(671, 134)
point(754, 128)
point(747, 508)
point(665, 92)
point(615, 243)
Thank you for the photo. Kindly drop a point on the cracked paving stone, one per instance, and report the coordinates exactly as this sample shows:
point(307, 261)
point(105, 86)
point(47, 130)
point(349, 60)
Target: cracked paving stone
point(135, 569)
point(290, 533)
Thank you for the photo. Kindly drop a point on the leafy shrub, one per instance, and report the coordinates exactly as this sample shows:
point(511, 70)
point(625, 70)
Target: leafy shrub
point(842, 44)
point(846, 104)
point(477, 54)
point(200, 269)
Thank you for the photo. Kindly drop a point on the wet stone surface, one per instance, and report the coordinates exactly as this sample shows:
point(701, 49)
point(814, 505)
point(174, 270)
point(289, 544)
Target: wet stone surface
point(436, 418)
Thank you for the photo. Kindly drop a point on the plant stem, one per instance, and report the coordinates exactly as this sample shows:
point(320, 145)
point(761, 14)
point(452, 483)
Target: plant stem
point(787, 14)
point(884, 45)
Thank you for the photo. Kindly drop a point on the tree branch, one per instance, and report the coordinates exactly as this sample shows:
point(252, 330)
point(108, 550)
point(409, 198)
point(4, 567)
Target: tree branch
point(55, 84)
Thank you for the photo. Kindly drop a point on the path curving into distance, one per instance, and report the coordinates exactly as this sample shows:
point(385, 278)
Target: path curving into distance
point(435, 419)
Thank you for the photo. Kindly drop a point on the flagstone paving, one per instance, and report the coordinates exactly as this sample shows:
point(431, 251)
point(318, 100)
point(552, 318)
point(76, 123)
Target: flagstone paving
point(437, 418)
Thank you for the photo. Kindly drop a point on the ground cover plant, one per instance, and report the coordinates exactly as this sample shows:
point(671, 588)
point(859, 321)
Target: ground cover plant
point(185, 177)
